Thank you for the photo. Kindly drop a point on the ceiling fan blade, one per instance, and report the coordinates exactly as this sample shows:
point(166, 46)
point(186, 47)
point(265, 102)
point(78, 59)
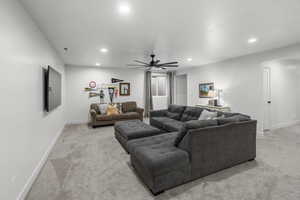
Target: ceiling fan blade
point(135, 65)
point(141, 62)
point(169, 63)
point(170, 66)
point(157, 61)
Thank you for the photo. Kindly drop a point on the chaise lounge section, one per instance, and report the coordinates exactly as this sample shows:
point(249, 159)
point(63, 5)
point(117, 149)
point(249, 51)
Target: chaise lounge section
point(191, 148)
point(163, 163)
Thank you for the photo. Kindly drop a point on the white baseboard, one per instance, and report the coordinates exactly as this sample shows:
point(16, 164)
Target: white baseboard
point(38, 168)
point(260, 133)
point(77, 122)
point(285, 124)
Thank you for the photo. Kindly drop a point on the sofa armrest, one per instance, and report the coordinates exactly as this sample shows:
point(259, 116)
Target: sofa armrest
point(93, 114)
point(140, 111)
point(158, 113)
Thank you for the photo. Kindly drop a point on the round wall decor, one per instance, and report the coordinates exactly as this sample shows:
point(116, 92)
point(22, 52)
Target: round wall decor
point(92, 84)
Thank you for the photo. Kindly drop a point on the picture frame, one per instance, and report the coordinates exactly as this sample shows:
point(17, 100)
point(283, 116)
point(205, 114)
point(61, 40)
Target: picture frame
point(124, 89)
point(204, 89)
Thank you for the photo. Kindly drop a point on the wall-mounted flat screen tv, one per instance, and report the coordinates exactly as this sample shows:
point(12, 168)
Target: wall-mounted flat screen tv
point(53, 89)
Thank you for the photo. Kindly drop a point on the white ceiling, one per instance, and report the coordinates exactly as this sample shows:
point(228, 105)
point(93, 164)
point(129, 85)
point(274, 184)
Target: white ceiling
point(206, 30)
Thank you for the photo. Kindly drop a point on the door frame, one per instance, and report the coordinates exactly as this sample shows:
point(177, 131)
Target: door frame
point(176, 87)
point(267, 99)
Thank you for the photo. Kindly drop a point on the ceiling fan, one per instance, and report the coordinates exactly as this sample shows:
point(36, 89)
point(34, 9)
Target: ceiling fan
point(153, 64)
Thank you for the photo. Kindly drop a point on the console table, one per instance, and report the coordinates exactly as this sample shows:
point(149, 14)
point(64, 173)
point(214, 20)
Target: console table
point(216, 108)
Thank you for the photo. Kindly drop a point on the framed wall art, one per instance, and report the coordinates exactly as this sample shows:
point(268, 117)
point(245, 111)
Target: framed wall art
point(205, 90)
point(124, 89)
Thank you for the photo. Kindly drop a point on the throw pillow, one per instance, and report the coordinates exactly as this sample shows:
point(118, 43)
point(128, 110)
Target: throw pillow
point(103, 109)
point(233, 119)
point(112, 110)
point(205, 115)
point(193, 124)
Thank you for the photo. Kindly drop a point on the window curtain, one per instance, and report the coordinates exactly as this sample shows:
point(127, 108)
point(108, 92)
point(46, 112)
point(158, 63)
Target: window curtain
point(171, 87)
point(148, 93)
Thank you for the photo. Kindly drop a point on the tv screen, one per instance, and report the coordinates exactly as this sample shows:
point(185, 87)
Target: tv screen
point(53, 89)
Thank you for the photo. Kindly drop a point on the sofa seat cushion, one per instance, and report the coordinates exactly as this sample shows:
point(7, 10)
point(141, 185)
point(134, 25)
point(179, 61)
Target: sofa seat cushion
point(129, 115)
point(159, 160)
point(191, 113)
point(166, 139)
point(106, 117)
point(166, 123)
point(135, 129)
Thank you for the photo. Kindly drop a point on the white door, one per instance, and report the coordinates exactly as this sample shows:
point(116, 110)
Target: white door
point(181, 90)
point(267, 98)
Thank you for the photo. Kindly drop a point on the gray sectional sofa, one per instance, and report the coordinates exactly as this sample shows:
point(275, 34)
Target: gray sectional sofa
point(190, 148)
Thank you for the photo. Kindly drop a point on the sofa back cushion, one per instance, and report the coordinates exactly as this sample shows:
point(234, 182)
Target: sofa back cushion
point(233, 119)
point(175, 111)
point(129, 106)
point(191, 113)
point(171, 115)
point(193, 124)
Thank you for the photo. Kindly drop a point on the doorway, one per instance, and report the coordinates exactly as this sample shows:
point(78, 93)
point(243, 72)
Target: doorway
point(181, 90)
point(267, 98)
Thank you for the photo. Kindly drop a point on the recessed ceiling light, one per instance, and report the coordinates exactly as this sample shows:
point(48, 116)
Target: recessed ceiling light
point(189, 59)
point(124, 8)
point(98, 64)
point(104, 50)
point(252, 40)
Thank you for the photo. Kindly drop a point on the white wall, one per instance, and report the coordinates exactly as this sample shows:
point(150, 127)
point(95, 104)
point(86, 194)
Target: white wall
point(240, 78)
point(26, 131)
point(78, 78)
point(285, 94)
point(181, 90)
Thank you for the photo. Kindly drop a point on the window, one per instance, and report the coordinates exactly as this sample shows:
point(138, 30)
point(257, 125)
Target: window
point(159, 85)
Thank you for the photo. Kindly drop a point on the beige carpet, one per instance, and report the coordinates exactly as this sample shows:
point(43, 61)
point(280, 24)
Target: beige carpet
point(89, 164)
